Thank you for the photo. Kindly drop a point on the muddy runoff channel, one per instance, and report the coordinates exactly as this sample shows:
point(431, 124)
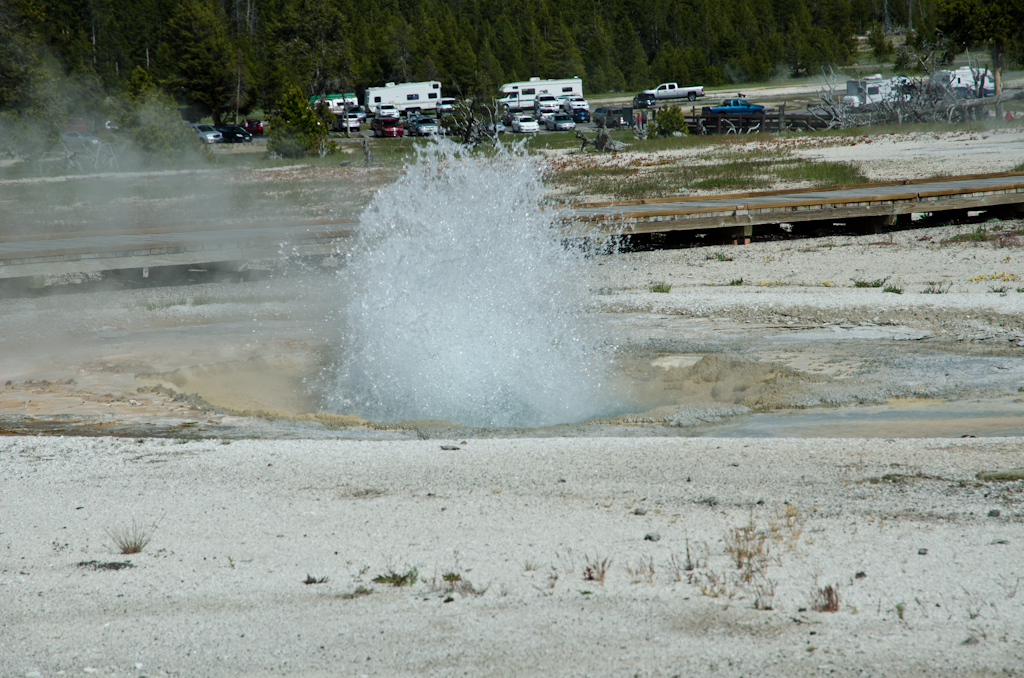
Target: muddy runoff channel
point(248, 360)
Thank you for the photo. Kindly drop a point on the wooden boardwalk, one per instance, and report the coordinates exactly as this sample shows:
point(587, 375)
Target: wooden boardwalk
point(870, 207)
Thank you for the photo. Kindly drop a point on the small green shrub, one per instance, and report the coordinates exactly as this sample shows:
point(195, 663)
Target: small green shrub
point(394, 578)
point(298, 129)
point(662, 288)
point(670, 120)
point(895, 289)
point(737, 281)
point(937, 288)
point(869, 283)
point(310, 579)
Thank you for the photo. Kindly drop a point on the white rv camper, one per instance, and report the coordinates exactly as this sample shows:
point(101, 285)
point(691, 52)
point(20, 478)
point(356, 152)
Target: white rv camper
point(337, 103)
point(405, 96)
point(518, 96)
point(873, 90)
point(967, 82)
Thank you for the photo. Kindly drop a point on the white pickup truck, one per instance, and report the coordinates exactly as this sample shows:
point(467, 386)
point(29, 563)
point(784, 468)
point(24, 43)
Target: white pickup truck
point(670, 90)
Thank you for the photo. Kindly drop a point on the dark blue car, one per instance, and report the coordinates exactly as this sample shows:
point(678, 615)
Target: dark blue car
point(580, 115)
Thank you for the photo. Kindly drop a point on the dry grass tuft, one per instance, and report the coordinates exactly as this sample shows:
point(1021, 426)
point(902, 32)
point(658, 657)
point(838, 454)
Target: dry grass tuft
point(597, 569)
point(133, 538)
point(642, 571)
point(825, 599)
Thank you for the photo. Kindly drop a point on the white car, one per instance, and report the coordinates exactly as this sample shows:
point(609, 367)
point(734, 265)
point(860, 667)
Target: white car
point(574, 103)
point(207, 133)
point(387, 111)
point(353, 122)
point(545, 103)
point(525, 124)
point(559, 122)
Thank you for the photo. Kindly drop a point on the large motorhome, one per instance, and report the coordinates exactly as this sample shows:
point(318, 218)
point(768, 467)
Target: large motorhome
point(518, 96)
point(405, 96)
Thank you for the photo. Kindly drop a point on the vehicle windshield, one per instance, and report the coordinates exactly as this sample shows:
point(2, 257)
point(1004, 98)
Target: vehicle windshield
point(526, 119)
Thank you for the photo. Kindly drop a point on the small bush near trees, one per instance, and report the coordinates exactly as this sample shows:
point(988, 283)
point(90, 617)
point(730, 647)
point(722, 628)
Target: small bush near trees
point(669, 121)
point(297, 130)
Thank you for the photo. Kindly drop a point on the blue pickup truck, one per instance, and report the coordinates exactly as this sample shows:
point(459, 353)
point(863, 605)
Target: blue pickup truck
point(734, 107)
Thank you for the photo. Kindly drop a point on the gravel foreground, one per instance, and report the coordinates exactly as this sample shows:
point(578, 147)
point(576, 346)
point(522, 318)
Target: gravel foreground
point(510, 541)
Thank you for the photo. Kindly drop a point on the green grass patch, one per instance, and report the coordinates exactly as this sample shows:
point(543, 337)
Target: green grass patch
point(661, 287)
point(736, 282)
point(394, 578)
point(895, 289)
point(869, 283)
point(979, 234)
point(823, 173)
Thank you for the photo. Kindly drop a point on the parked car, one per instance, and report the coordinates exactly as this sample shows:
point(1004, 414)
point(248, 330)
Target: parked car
point(644, 100)
point(234, 134)
point(574, 103)
point(253, 126)
point(421, 126)
point(559, 122)
point(387, 111)
point(545, 103)
point(207, 133)
point(79, 140)
point(613, 116)
point(580, 115)
point(734, 107)
point(359, 113)
point(384, 126)
point(496, 127)
point(525, 124)
point(353, 122)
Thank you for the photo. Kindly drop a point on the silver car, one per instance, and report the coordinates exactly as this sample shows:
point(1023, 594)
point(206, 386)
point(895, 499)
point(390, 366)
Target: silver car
point(207, 133)
point(559, 122)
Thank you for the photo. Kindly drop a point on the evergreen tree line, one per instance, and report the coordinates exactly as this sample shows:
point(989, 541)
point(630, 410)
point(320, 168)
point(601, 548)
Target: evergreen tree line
point(224, 57)
point(225, 54)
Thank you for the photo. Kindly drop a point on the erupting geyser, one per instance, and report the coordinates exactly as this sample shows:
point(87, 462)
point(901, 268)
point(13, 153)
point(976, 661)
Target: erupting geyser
point(461, 302)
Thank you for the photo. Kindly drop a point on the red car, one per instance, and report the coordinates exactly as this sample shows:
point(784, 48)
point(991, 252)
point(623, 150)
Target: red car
point(253, 126)
point(387, 127)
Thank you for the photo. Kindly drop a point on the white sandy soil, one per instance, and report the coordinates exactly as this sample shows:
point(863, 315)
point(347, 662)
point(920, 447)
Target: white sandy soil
point(927, 560)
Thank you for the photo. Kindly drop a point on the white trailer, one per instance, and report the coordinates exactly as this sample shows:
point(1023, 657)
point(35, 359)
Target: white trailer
point(873, 90)
point(405, 96)
point(337, 103)
point(967, 82)
point(519, 96)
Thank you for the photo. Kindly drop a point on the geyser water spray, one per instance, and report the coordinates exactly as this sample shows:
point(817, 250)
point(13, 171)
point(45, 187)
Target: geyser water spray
point(461, 302)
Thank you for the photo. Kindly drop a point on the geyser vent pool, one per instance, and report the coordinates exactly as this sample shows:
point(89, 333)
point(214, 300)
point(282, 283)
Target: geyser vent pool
point(460, 301)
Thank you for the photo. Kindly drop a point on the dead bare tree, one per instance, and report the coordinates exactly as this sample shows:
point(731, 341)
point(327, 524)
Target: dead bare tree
point(602, 142)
